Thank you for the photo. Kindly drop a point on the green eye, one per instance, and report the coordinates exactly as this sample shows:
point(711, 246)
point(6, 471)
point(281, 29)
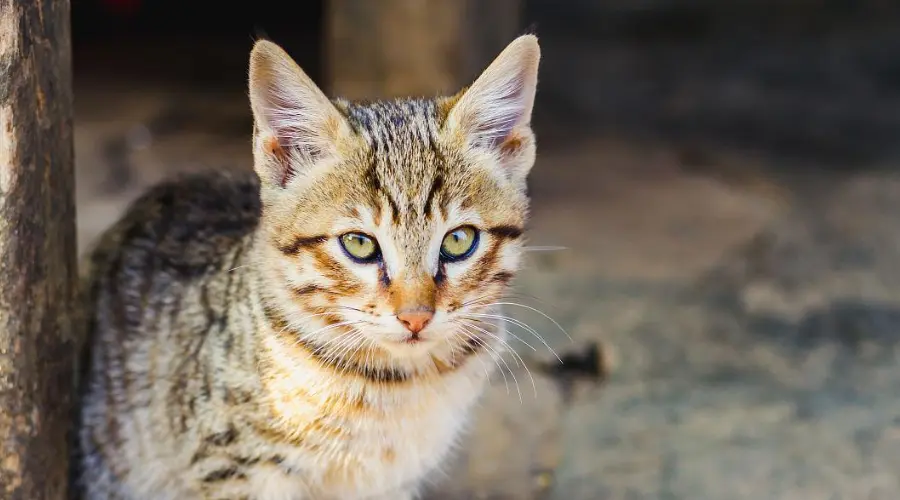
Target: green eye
point(359, 247)
point(459, 243)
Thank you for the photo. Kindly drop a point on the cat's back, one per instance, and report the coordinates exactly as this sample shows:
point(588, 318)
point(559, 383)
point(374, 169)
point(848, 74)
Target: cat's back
point(156, 288)
point(164, 271)
point(184, 226)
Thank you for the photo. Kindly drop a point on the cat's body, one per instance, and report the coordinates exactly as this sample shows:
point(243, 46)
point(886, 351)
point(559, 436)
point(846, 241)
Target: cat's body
point(177, 383)
point(243, 346)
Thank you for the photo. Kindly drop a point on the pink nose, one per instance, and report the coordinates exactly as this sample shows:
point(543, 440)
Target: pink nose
point(415, 321)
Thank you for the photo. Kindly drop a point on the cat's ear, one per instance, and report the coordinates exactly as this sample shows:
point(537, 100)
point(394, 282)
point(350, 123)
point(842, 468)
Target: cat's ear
point(295, 124)
point(494, 113)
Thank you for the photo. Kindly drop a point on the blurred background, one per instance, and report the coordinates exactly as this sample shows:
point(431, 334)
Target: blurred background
point(723, 177)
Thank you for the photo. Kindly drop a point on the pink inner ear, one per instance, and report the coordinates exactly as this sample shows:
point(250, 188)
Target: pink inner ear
point(284, 172)
point(294, 132)
point(500, 131)
point(498, 110)
point(284, 117)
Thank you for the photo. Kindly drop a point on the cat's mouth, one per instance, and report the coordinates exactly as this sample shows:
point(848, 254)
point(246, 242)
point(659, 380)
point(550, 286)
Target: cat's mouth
point(413, 338)
point(414, 341)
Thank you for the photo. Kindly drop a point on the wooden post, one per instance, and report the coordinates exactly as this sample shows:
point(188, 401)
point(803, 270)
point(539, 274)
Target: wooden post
point(37, 248)
point(394, 48)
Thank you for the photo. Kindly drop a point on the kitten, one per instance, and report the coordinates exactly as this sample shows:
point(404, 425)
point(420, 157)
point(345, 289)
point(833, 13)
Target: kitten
point(318, 329)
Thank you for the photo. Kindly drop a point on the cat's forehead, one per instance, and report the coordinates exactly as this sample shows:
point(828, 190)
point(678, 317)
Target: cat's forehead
point(410, 180)
point(405, 164)
point(382, 122)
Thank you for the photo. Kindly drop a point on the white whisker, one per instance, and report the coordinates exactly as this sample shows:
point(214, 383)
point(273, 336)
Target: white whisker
point(518, 323)
point(338, 352)
point(351, 349)
point(513, 335)
point(500, 358)
point(307, 336)
point(454, 351)
point(491, 352)
point(343, 340)
point(516, 356)
point(542, 313)
point(520, 295)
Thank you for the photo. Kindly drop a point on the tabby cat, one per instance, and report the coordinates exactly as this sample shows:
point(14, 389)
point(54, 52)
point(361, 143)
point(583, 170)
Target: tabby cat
point(318, 328)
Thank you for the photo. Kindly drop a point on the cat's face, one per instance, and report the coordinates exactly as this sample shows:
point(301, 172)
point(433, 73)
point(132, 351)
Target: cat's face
point(393, 224)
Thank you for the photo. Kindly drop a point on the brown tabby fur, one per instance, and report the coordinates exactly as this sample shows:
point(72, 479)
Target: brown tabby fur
point(236, 352)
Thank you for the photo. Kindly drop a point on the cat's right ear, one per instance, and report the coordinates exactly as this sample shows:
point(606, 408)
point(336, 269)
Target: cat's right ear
point(494, 114)
point(295, 124)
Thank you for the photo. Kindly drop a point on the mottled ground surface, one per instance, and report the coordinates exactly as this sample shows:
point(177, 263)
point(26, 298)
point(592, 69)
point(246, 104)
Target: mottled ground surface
point(734, 318)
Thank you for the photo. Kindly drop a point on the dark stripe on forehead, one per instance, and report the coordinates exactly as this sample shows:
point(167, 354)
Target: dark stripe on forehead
point(505, 231)
point(378, 117)
point(436, 186)
point(360, 114)
point(300, 242)
point(374, 182)
point(437, 191)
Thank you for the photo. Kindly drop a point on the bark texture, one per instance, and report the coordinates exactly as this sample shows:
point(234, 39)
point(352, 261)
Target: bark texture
point(37, 248)
point(395, 48)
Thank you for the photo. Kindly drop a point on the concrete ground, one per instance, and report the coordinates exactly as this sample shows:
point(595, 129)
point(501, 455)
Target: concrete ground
point(734, 323)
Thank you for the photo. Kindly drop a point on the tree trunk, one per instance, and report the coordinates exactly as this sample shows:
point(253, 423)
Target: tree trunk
point(394, 48)
point(37, 248)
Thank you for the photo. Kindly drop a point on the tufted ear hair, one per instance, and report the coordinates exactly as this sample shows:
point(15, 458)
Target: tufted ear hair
point(494, 113)
point(296, 125)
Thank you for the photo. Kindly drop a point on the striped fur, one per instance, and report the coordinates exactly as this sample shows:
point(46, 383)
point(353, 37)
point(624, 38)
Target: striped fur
point(237, 352)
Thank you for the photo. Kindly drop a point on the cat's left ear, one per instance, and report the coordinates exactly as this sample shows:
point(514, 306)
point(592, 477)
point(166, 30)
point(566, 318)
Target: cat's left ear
point(494, 114)
point(296, 124)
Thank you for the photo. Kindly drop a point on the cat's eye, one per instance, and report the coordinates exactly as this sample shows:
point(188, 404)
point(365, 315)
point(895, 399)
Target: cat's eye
point(360, 247)
point(459, 243)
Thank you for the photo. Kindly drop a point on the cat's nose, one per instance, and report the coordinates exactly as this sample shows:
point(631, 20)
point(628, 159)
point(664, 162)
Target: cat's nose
point(415, 321)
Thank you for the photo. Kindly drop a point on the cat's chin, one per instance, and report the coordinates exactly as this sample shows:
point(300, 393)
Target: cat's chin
point(408, 345)
point(403, 348)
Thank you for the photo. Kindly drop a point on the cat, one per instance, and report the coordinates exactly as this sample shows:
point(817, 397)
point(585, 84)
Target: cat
point(321, 327)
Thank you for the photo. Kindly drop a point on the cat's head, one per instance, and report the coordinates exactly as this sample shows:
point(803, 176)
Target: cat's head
point(392, 223)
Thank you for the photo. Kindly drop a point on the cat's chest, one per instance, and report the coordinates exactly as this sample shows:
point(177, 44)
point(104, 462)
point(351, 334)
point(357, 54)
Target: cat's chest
point(389, 452)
